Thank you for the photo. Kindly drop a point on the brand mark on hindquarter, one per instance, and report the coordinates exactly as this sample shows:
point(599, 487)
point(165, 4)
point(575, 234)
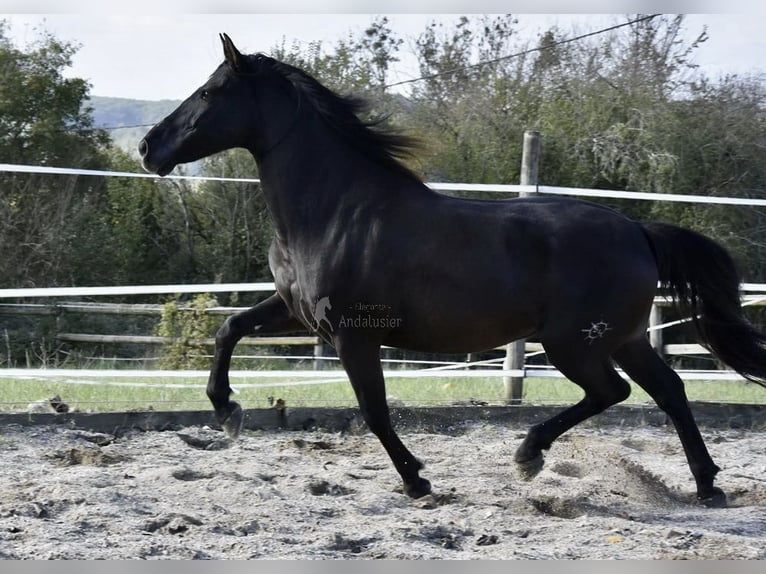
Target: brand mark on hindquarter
point(597, 330)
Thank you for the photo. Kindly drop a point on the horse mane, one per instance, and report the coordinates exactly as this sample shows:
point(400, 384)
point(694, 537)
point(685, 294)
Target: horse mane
point(384, 144)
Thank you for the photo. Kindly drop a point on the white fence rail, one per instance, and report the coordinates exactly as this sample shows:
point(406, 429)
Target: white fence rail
point(119, 290)
point(481, 187)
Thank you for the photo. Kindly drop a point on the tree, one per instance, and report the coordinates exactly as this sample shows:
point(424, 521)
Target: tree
point(598, 102)
point(50, 226)
point(718, 134)
point(146, 228)
point(465, 109)
point(236, 219)
point(354, 65)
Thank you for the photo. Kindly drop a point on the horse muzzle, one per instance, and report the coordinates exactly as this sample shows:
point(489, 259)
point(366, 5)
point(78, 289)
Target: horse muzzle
point(151, 162)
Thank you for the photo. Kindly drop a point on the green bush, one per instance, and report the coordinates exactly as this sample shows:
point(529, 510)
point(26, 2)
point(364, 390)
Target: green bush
point(186, 327)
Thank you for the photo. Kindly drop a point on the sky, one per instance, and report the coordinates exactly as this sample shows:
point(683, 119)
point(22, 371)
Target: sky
point(165, 54)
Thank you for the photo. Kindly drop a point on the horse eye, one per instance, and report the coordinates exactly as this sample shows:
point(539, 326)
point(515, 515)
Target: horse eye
point(204, 95)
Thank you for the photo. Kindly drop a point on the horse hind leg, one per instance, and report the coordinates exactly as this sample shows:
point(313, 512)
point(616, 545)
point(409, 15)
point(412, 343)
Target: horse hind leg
point(650, 372)
point(603, 388)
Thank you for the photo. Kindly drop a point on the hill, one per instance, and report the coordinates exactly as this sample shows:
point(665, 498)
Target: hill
point(128, 120)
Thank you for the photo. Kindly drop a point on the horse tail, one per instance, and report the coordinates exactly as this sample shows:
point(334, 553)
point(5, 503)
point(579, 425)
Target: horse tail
point(704, 281)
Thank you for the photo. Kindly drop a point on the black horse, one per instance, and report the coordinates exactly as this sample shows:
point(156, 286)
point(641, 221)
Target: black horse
point(364, 254)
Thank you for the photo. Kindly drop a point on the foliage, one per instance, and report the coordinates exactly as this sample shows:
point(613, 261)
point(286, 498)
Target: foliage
point(170, 231)
point(44, 117)
point(354, 65)
point(239, 229)
point(717, 135)
point(595, 102)
point(141, 216)
point(48, 224)
point(186, 328)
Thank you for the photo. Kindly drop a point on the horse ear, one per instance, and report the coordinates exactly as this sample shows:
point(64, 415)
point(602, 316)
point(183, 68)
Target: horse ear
point(230, 52)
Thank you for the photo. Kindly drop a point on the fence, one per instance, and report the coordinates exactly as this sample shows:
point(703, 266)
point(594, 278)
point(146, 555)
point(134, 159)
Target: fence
point(302, 377)
point(755, 295)
point(514, 365)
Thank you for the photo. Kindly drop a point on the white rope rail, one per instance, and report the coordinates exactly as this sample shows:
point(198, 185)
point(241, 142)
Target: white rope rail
point(305, 378)
point(134, 290)
point(494, 188)
point(332, 375)
point(647, 196)
point(34, 292)
point(13, 168)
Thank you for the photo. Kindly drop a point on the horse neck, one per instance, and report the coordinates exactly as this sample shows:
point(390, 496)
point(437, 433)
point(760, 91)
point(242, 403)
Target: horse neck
point(312, 177)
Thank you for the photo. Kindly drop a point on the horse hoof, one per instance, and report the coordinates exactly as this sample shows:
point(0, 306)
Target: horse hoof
point(528, 469)
point(716, 499)
point(232, 424)
point(417, 489)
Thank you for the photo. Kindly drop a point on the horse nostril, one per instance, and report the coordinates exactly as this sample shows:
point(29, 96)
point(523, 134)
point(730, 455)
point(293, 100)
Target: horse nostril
point(143, 148)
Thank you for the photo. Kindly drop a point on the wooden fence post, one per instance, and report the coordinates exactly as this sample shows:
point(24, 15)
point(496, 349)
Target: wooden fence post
point(514, 353)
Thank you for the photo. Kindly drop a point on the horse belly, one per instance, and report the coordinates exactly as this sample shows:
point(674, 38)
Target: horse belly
point(471, 327)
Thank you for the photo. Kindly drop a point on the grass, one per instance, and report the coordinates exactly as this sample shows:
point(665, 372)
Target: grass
point(189, 393)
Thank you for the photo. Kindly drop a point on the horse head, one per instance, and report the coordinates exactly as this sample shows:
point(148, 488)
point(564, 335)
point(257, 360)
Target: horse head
point(220, 115)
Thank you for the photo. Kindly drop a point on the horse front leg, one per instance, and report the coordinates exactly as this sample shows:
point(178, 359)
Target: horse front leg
point(268, 317)
point(361, 360)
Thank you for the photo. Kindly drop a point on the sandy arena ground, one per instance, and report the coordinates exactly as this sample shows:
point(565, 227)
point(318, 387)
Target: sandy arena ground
point(604, 493)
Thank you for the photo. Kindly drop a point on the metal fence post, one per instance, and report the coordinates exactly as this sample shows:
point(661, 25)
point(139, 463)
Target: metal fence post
point(514, 353)
point(655, 335)
point(319, 351)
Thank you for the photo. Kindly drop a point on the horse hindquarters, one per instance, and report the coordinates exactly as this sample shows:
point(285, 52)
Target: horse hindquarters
point(605, 279)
